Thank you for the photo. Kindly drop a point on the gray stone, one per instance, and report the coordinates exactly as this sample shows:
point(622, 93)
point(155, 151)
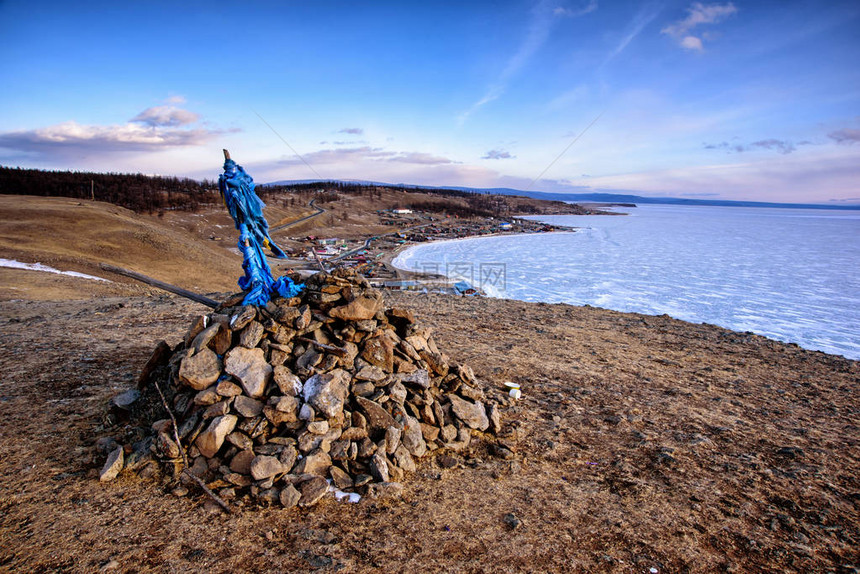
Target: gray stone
point(398, 393)
point(218, 409)
point(247, 407)
point(354, 433)
point(371, 373)
point(251, 368)
point(448, 433)
point(392, 439)
point(287, 381)
point(263, 467)
point(362, 479)
point(228, 389)
point(113, 465)
point(200, 370)
point(379, 352)
point(429, 432)
point(473, 414)
point(377, 417)
point(340, 478)
point(125, 400)
point(327, 392)
point(240, 440)
point(206, 397)
point(210, 440)
point(289, 496)
point(360, 309)
point(379, 467)
point(495, 418)
point(470, 392)
point(165, 445)
point(286, 404)
point(312, 491)
point(202, 340)
point(467, 375)
point(288, 457)
point(412, 437)
point(306, 412)
point(277, 417)
point(419, 378)
point(251, 335)
point(317, 462)
point(404, 460)
point(367, 325)
point(364, 388)
point(241, 461)
point(318, 427)
point(243, 317)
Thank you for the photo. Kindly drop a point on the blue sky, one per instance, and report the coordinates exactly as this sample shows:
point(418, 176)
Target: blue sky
point(735, 100)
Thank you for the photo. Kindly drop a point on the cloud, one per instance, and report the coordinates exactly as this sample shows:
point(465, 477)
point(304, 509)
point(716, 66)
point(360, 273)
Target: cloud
point(498, 154)
point(357, 155)
point(642, 19)
point(845, 136)
point(782, 146)
point(165, 116)
point(697, 15)
point(574, 12)
point(823, 175)
point(153, 129)
point(539, 27)
point(353, 131)
point(692, 43)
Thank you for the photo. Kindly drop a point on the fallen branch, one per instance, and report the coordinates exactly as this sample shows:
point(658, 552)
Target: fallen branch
point(161, 285)
point(185, 469)
point(331, 349)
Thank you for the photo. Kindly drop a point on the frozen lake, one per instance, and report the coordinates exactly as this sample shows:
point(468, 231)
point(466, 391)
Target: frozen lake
point(788, 274)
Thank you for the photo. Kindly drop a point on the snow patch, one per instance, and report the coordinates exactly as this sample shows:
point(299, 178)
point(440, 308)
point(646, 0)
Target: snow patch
point(12, 264)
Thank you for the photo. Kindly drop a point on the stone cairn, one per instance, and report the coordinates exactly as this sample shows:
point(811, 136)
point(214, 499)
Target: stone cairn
point(329, 388)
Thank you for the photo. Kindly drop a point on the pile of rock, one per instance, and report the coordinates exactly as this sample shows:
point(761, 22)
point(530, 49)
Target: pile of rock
point(326, 388)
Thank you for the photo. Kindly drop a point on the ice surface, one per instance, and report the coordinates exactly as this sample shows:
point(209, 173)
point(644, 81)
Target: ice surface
point(11, 263)
point(788, 274)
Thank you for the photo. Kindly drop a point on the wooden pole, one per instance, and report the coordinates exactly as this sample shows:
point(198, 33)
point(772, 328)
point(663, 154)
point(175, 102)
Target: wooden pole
point(203, 300)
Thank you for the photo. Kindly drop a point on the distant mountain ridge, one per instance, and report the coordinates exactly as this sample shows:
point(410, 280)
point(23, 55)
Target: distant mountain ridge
point(588, 197)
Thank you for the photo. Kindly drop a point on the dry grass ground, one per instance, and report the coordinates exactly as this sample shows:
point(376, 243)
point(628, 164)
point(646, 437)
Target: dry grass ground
point(640, 442)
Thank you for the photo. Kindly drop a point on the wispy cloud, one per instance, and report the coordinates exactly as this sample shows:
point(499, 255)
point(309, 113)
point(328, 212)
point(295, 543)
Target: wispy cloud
point(498, 154)
point(845, 136)
point(153, 129)
point(353, 131)
point(781, 146)
point(640, 21)
point(361, 154)
point(543, 18)
point(574, 12)
point(697, 15)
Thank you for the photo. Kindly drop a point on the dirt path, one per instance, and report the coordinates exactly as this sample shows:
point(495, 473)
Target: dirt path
point(641, 444)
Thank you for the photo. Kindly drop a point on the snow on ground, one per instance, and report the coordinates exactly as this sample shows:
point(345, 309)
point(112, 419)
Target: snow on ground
point(12, 264)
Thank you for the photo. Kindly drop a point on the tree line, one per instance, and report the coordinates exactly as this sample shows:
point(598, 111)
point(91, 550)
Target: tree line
point(157, 194)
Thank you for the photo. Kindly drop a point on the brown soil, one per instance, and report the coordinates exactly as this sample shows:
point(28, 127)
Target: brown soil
point(641, 443)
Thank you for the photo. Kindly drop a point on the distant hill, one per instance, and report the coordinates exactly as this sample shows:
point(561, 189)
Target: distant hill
point(587, 197)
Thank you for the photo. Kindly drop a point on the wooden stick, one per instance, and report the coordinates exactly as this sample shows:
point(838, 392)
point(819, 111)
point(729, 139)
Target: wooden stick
point(220, 501)
point(336, 350)
point(226, 155)
point(203, 300)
